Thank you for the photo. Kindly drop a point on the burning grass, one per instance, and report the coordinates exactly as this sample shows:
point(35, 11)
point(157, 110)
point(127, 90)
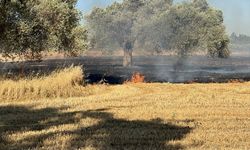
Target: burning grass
point(62, 83)
point(132, 116)
point(137, 78)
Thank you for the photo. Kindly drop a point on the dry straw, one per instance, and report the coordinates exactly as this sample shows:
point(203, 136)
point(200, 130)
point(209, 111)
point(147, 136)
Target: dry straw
point(61, 83)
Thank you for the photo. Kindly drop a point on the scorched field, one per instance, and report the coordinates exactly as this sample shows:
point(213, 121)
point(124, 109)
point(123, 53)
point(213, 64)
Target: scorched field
point(127, 116)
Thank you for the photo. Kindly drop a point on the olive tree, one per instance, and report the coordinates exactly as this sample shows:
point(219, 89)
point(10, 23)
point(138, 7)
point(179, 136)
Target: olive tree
point(187, 27)
point(159, 24)
point(112, 27)
point(28, 27)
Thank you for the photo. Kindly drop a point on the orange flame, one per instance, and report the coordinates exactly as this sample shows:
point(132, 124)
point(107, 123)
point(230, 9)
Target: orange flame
point(137, 78)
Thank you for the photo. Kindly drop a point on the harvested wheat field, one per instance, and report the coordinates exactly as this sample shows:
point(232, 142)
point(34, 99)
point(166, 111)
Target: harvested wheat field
point(132, 116)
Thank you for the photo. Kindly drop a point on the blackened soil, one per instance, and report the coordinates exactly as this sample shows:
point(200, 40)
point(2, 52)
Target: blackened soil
point(154, 68)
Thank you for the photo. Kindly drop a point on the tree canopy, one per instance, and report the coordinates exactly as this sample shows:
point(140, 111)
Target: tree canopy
point(160, 24)
point(28, 27)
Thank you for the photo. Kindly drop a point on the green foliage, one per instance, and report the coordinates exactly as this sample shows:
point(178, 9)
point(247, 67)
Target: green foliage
point(118, 25)
point(28, 27)
point(158, 24)
point(187, 27)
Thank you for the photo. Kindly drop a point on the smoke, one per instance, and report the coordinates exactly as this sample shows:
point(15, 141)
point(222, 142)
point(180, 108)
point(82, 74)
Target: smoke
point(87, 5)
point(175, 69)
point(236, 14)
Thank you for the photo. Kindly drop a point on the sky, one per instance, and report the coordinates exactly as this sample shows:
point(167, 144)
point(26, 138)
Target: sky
point(236, 12)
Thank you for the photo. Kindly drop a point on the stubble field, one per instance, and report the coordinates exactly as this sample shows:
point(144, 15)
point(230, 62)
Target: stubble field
point(132, 116)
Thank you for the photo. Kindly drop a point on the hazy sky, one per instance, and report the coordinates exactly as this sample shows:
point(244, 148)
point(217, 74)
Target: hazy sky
point(236, 12)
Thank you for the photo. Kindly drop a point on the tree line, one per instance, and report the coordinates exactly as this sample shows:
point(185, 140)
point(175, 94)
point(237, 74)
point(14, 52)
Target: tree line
point(28, 27)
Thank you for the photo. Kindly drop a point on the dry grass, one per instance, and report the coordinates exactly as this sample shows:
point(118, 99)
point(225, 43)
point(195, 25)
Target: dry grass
point(61, 83)
point(132, 116)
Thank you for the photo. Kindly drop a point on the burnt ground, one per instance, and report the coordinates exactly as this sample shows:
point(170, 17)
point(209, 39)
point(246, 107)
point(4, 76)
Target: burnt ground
point(154, 68)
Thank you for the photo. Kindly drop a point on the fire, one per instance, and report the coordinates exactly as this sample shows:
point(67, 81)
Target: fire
point(236, 81)
point(137, 78)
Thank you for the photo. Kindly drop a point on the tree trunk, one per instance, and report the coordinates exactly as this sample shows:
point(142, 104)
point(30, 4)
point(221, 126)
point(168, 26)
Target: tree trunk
point(127, 58)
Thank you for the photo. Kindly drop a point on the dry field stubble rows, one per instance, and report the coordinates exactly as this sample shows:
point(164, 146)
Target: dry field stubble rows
point(132, 116)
